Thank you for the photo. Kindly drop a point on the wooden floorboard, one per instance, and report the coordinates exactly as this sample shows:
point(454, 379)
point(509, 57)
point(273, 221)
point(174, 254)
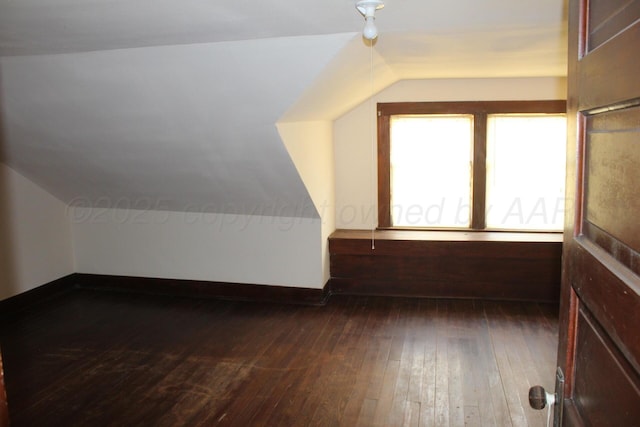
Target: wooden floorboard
point(95, 358)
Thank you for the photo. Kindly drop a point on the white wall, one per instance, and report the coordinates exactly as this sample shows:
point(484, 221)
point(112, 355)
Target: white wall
point(269, 248)
point(310, 145)
point(356, 175)
point(198, 246)
point(35, 235)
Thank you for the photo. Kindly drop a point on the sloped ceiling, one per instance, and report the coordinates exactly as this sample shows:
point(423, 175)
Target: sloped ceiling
point(158, 104)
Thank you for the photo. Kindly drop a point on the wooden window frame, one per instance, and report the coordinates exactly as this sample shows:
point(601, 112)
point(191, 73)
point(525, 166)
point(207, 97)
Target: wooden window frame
point(480, 110)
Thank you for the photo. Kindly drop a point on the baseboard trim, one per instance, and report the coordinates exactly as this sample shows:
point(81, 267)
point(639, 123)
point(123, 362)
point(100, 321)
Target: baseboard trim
point(203, 289)
point(25, 300)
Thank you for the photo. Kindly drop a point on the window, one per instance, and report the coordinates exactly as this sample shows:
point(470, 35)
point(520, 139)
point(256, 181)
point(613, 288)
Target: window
point(421, 182)
point(472, 165)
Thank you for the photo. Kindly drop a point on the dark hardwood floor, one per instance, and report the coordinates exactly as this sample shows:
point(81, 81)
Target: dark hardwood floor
point(91, 358)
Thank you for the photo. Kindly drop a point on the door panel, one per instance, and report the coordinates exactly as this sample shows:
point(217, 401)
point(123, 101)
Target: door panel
point(607, 17)
point(614, 400)
point(609, 292)
point(605, 74)
point(599, 351)
point(613, 160)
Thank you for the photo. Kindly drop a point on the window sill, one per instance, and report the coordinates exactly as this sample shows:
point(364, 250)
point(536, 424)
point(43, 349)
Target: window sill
point(449, 236)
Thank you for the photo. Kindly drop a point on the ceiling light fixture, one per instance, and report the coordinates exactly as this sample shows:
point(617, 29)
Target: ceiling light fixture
point(368, 9)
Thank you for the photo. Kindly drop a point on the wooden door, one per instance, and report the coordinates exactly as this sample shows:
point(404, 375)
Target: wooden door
point(599, 353)
point(4, 412)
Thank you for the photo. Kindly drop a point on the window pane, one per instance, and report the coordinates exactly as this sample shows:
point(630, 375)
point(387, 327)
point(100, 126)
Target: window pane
point(526, 171)
point(431, 170)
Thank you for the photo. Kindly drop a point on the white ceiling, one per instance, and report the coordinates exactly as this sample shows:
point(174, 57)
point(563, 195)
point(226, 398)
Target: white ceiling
point(175, 102)
point(54, 26)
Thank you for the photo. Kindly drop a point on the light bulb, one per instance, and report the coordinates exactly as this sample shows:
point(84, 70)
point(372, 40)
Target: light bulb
point(368, 9)
point(370, 31)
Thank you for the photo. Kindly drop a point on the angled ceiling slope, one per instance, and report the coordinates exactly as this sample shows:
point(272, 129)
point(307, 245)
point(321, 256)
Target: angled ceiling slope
point(189, 127)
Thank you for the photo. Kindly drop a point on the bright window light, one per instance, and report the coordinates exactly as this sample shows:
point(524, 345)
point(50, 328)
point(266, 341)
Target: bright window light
point(525, 171)
point(430, 164)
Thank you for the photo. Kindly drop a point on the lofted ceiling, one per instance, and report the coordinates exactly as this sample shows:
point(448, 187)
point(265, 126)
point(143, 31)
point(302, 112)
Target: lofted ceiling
point(159, 104)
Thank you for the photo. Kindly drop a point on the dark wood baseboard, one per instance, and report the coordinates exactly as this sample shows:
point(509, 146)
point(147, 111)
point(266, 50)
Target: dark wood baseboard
point(499, 266)
point(25, 300)
point(159, 286)
point(202, 289)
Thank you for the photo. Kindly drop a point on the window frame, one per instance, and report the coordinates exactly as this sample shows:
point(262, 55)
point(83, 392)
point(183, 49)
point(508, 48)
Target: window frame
point(480, 111)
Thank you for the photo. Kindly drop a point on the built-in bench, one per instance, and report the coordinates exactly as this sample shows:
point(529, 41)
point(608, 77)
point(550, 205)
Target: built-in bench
point(456, 264)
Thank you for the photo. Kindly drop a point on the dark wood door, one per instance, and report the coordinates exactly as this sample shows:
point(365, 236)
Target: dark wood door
point(4, 412)
point(599, 352)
